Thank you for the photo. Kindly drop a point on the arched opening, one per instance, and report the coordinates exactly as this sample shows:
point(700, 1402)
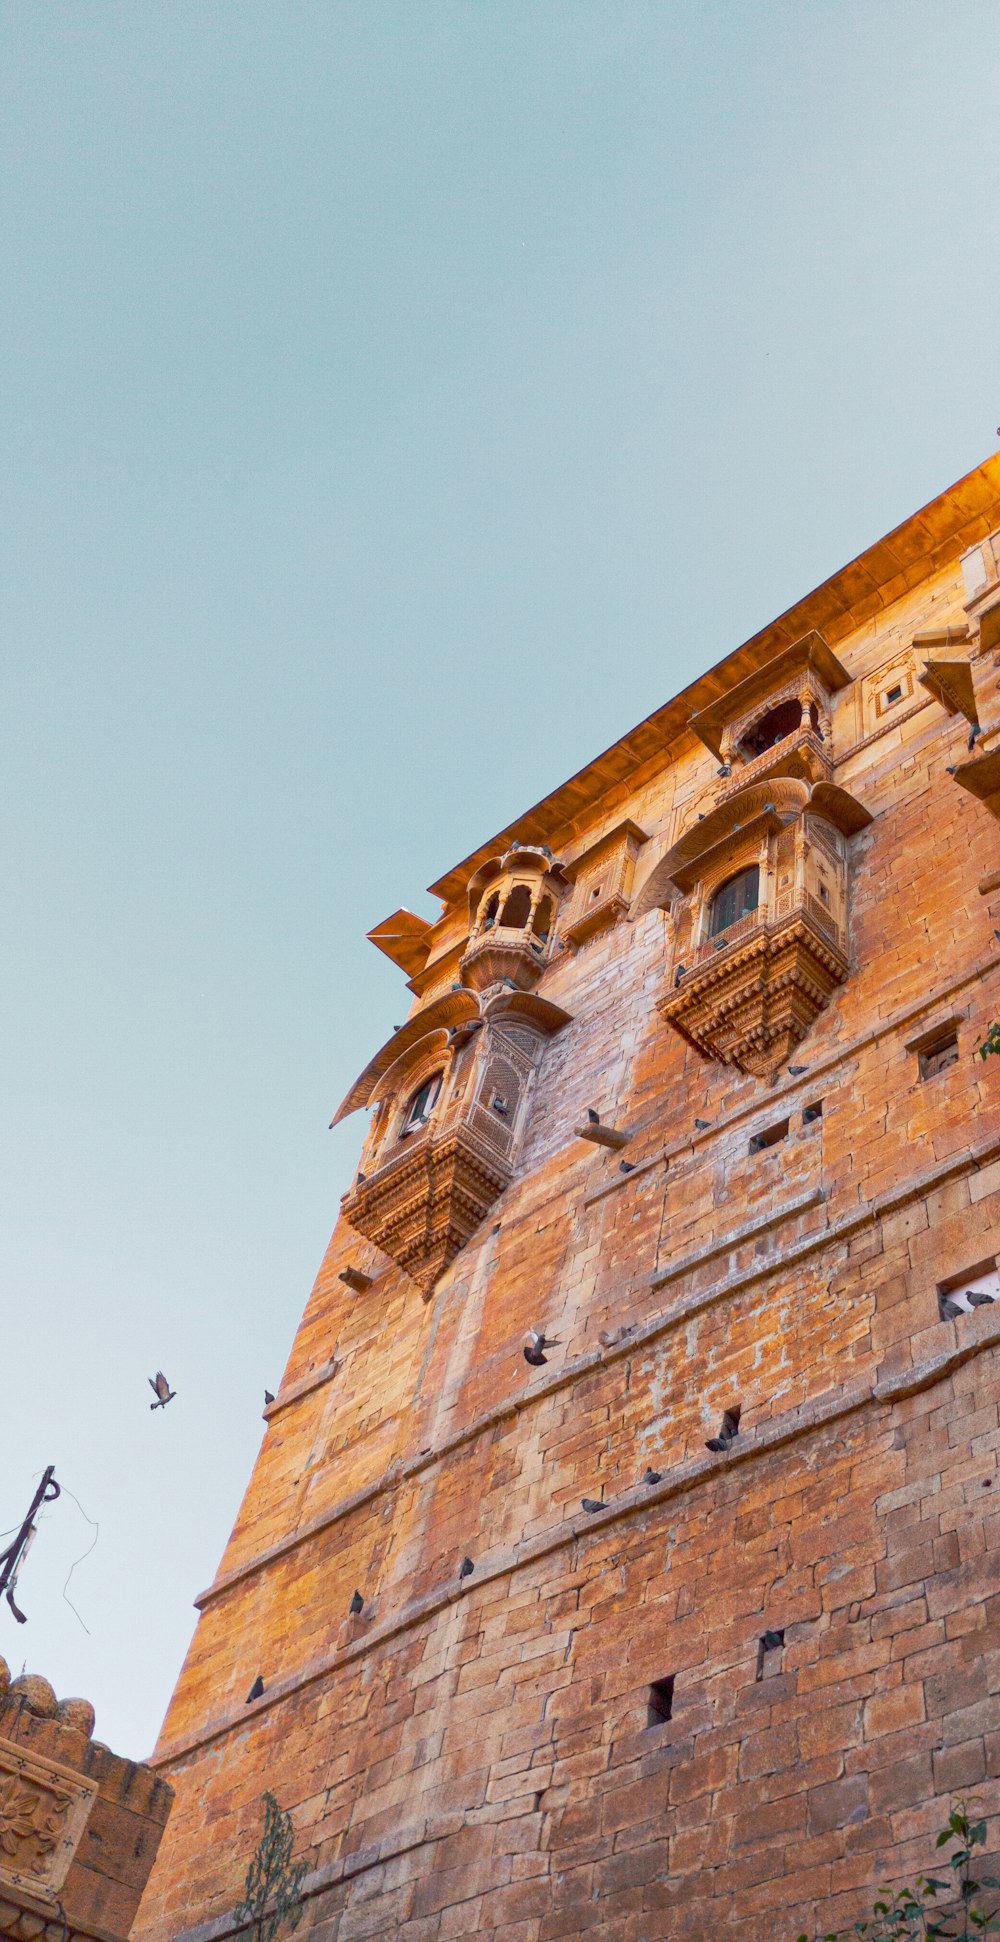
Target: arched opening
point(734, 900)
point(421, 1105)
point(541, 923)
point(517, 909)
point(771, 728)
point(490, 913)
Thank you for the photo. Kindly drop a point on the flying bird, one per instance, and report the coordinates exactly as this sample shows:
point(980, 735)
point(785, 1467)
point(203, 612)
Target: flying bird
point(356, 1605)
point(256, 1691)
point(161, 1390)
point(652, 1476)
point(591, 1504)
point(536, 1345)
point(268, 1398)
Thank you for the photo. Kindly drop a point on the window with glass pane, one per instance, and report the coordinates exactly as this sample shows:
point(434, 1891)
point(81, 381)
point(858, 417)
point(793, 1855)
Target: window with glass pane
point(736, 899)
point(421, 1105)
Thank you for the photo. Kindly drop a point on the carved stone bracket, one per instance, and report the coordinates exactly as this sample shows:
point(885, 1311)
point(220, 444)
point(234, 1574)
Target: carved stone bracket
point(750, 1005)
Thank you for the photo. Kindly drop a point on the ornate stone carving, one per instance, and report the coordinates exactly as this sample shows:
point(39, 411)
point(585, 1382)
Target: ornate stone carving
point(44, 1809)
point(432, 1185)
point(751, 1005)
point(746, 994)
point(602, 883)
point(512, 907)
point(424, 1205)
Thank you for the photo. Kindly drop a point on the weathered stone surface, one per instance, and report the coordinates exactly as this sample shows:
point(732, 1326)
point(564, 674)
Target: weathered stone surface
point(479, 1754)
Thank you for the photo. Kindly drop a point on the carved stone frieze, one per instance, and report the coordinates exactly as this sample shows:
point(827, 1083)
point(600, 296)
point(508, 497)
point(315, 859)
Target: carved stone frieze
point(425, 1204)
point(750, 1004)
point(44, 1808)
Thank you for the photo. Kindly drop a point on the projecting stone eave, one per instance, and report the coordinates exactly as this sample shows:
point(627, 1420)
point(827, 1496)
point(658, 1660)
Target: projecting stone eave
point(927, 541)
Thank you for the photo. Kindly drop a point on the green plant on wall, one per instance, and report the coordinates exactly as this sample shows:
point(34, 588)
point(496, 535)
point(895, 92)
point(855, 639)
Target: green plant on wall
point(272, 1892)
point(990, 1041)
point(933, 1907)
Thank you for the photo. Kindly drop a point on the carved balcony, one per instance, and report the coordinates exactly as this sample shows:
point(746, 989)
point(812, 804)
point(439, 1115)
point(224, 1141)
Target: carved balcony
point(758, 938)
point(450, 1092)
point(512, 909)
point(752, 995)
point(426, 1202)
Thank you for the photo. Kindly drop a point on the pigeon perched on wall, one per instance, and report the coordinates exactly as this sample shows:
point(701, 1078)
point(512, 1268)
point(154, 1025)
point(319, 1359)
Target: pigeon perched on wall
point(256, 1691)
point(466, 1568)
point(594, 1118)
point(651, 1477)
point(357, 1604)
point(590, 1504)
point(268, 1399)
point(161, 1390)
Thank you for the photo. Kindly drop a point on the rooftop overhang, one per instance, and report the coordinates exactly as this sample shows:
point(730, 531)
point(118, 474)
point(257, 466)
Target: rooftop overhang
point(950, 682)
point(452, 1008)
point(809, 652)
point(929, 540)
point(761, 807)
point(405, 938)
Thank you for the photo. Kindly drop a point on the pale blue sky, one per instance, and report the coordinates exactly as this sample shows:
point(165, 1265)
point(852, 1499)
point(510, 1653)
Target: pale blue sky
point(398, 401)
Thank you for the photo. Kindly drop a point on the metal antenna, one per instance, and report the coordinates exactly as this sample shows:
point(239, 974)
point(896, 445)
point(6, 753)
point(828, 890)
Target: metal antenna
point(12, 1559)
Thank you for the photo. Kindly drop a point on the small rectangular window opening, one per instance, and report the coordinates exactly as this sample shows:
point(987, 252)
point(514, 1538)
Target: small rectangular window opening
point(938, 1054)
point(976, 1287)
point(815, 1111)
point(661, 1701)
point(893, 695)
point(772, 1136)
point(769, 1650)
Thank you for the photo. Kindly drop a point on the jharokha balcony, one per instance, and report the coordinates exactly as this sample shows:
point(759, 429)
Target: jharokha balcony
point(757, 894)
point(512, 905)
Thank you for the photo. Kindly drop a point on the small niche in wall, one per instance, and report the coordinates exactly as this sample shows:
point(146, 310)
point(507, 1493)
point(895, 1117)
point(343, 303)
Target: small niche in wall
point(812, 1113)
point(936, 1050)
point(769, 1653)
point(975, 1287)
point(771, 1136)
point(660, 1703)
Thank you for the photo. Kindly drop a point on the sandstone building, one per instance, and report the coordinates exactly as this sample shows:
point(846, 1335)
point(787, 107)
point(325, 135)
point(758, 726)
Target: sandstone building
point(79, 1828)
point(687, 1626)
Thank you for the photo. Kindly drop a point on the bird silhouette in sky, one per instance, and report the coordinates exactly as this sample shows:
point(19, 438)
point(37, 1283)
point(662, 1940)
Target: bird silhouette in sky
point(161, 1390)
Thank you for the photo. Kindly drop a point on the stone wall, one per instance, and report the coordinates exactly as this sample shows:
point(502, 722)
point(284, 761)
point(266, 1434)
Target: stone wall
point(79, 1828)
point(475, 1754)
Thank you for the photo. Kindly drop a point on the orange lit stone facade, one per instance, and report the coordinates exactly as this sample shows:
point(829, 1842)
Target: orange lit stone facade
point(756, 940)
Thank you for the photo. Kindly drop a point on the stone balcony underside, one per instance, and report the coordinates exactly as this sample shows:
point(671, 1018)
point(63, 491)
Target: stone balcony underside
point(427, 1201)
point(500, 953)
point(749, 1003)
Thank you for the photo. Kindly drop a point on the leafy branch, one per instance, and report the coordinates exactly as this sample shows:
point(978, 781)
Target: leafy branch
point(920, 1911)
point(272, 1892)
point(990, 1041)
